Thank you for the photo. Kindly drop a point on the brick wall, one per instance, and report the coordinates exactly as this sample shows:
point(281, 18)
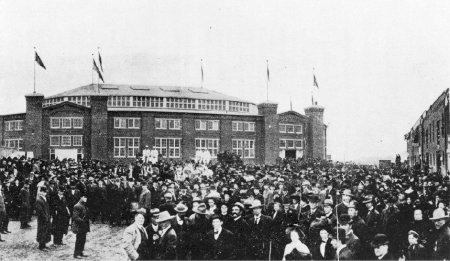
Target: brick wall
point(33, 124)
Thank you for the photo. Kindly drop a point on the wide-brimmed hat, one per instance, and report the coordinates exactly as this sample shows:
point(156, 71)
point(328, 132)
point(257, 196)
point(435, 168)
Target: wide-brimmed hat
point(239, 205)
point(200, 209)
point(164, 216)
point(368, 199)
point(328, 202)
point(379, 240)
point(181, 208)
point(438, 214)
point(314, 199)
point(154, 212)
point(256, 204)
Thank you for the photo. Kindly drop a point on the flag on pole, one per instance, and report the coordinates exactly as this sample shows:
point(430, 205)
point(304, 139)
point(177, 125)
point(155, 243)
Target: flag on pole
point(201, 69)
point(95, 68)
point(268, 75)
point(38, 60)
point(315, 82)
point(100, 60)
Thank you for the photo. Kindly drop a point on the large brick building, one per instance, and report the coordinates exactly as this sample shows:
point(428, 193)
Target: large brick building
point(427, 141)
point(115, 122)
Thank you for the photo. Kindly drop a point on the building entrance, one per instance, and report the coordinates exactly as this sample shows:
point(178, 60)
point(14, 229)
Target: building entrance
point(290, 154)
point(66, 154)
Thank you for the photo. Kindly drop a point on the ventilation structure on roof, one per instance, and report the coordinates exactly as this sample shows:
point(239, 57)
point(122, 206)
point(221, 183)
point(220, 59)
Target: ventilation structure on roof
point(137, 88)
point(166, 89)
point(109, 87)
point(198, 91)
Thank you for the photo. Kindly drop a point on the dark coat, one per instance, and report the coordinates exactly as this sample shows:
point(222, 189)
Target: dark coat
point(373, 222)
point(61, 216)
point(260, 235)
point(241, 230)
point(153, 238)
point(80, 220)
point(440, 240)
point(72, 198)
point(182, 237)
point(167, 246)
point(43, 220)
point(222, 248)
point(416, 252)
point(329, 251)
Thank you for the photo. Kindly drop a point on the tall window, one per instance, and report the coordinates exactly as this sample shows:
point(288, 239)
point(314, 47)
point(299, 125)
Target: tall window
point(66, 122)
point(243, 126)
point(239, 106)
point(291, 128)
point(66, 140)
point(126, 147)
point(244, 148)
point(171, 124)
point(15, 125)
point(438, 132)
point(168, 147)
point(13, 143)
point(77, 140)
point(55, 140)
point(207, 125)
point(208, 144)
point(291, 144)
point(77, 122)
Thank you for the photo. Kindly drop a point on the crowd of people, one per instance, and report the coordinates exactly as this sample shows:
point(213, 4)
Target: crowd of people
point(294, 209)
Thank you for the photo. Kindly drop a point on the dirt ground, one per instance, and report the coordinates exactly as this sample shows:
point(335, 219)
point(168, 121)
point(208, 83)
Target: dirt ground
point(102, 243)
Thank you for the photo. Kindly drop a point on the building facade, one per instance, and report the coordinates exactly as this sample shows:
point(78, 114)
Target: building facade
point(427, 141)
point(116, 122)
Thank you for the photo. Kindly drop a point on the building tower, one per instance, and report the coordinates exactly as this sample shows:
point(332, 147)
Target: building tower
point(317, 147)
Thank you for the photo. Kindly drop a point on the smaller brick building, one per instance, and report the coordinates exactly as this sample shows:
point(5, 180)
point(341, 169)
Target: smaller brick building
point(116, 122)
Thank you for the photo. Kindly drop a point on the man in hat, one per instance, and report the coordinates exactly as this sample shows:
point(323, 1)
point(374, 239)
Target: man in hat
point(180, 224)
point(240, 228)
point(199, 226)
point(440, 237)
point(372, 217)
point(43, 219)
point(80, 225)
point(219, 241)
point(167, 245)
point(152, 232)
point(380, 245)
point(24, 199)
point(329, 214)
point(72, 196)
point(352, 241)
point(260, 233)
point(136, 240)
point(342, 208)
point(145, 200)
point(61, 217)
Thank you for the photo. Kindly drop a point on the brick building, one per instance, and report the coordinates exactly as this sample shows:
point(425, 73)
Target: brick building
point(116, 122)
point(427, 141)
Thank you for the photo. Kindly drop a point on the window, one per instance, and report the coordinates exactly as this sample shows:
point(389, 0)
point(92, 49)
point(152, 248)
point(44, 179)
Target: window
point(168, 147)
point(291, 128)
point(66, 123)
point(66, 140)
point(13, 143)
point(239, 106)
point(77, 123)
point(134, 123)
point(132, 147)
point(55, 140)
point(119, 147)
point(208, 144)
point(171, 124)
point(119, 101)
point(291, 144)
point(244, 148)
point(180, 103)
point(51, 152)
point(213, 105)
point(207, 125)
point(243, 126)
point(438, 132)
point(126, 147)
point(15, 125)
point(77, 140)
point(80, 100)
point(120, 123)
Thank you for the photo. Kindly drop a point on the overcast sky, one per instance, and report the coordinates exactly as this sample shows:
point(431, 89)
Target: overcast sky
point(379, 64)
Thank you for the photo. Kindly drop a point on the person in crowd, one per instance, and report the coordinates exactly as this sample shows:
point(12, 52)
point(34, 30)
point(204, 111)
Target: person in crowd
point(380, 245)
point(43, 219)
point(167, 245)
point(80, 225)
point(296, 250)
point(136, 240)
point(260, 233)
point(3, 215)
point(219, 241)
point(7, 196)
point(440, 236)
point(415, 250)
point(24, 199)
point(61, 217)
point(324, 250)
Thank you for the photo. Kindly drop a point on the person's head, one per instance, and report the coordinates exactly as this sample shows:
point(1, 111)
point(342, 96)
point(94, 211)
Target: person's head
point(346, 195)
point(418, 215)
point(344, 222)
point(216, 222)
point(277, 206)
point(256, 207)
point(439, 218)
point(352, 211)
point(211, 202)
point(413, 237)
point(295, 234)
point(83, 198)
point(164, 225)
point(154, 215)
point(139, 219)
point(324, 234)
point(380, 245)
point(224, 209)
point(168, 196)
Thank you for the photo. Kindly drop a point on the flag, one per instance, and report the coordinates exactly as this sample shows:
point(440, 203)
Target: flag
point(95, 68)
point(315, 82)
point(100, 61)
point(268, 75)
point(201, 69)
point(38, 60)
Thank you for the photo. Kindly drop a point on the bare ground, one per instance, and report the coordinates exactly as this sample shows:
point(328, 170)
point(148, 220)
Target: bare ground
point(102, 243)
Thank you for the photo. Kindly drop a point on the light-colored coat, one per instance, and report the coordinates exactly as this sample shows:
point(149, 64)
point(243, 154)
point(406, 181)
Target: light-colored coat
point(131, 241)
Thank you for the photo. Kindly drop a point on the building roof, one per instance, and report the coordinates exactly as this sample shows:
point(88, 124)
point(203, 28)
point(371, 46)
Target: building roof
point(147, 90)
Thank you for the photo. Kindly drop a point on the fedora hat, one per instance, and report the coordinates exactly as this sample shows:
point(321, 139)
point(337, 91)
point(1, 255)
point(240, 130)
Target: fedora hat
point(347, 192)
point(154, 212)
point(256, 204)
point(239, 205)
point(200, 209)
point(181, 208)
point(164, 216)
point(368, 199)
point(379, 240)
point(438, 214)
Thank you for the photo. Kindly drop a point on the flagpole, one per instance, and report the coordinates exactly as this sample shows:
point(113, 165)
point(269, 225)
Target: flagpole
point(34, 71)
point(201, 69)
point(92, 70)
point(267, 81)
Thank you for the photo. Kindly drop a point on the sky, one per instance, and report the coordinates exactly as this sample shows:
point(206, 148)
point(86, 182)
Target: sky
point(379, 64)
